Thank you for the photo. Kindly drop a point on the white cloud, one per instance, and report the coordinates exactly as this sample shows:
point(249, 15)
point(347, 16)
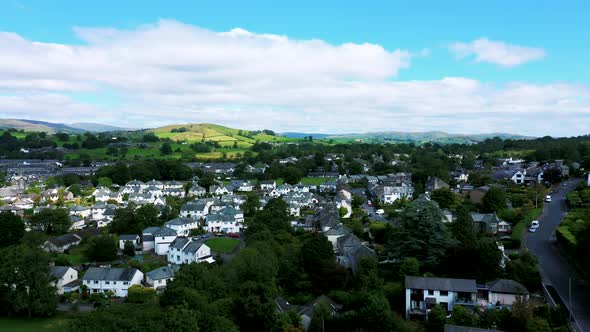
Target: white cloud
point(171, 72)
point(496, 52)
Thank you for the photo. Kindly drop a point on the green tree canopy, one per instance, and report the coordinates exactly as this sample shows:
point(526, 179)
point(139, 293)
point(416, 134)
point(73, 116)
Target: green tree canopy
point(52, 221)
point(494, 200)
point(12, 229)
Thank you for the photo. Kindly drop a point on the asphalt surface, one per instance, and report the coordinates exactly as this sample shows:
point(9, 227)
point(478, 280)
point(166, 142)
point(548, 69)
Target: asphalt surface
point(554, 267)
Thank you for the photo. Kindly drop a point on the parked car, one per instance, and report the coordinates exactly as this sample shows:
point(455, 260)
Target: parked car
point(548, 198)
point(532, 229)
point(380, 211)
point(535, 224)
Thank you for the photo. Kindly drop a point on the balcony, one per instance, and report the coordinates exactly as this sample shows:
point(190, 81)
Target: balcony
point(465, 301)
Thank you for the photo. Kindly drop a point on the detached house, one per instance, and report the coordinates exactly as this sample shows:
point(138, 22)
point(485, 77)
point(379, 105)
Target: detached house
point(422, 293)
point(116, 280)
point(486, 222)
point(65, 279)
point(159, 278)
point(189, 250)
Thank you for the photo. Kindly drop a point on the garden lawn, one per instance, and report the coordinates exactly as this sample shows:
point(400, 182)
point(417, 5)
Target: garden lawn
point(223, 245)
point(33, 325)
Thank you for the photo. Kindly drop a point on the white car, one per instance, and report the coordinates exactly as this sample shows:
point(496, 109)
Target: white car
point(380, 211)
point(532, 229)
point(548, 198)
point(535, 224)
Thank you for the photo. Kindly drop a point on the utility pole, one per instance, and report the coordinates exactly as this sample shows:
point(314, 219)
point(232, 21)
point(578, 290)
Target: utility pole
point(570, 297)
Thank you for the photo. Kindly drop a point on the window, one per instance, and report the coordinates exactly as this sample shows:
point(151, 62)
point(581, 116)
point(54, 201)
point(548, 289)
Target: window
point(430, 292)
point(444, 293)
point(125, 283)
point(95, 282)
point(107, 282)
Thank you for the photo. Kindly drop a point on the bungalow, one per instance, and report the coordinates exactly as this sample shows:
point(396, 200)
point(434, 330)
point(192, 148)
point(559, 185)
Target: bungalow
point(188, 250)
point(65, 279)
point(485, 222)
point(502, 292)
point(159, 278)
point(61, 243)
point(133, 238)
point(116, 280)
point(422, 293)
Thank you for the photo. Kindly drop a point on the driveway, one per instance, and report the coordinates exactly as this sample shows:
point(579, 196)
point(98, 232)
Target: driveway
point(554, 267)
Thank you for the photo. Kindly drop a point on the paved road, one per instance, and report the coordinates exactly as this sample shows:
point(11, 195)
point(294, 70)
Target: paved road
point(553, 266)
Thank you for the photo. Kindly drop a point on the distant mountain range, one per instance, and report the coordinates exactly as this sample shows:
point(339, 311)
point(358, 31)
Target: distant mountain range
point(50, 127)
point(243, 138)
point(400, 136)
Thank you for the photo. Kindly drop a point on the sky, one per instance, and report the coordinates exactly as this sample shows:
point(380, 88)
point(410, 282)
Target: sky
point(309, 66)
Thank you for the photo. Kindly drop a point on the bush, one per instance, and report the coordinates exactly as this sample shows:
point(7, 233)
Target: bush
point(138, 294)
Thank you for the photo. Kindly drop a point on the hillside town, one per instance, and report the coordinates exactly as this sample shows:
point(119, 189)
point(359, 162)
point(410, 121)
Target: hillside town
point(110, 241)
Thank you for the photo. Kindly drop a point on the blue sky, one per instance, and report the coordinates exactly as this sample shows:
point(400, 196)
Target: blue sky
point(538, 47)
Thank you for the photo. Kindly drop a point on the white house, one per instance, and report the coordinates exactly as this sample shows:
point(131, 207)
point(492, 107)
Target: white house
point(189, 250)
point(182, 226)
point(503, 292)
point(268, 185)
point(133, 238)
point(173, 185)
point(228, 220)
point(98, 211)
point(162, 239)
point(196, 209)
point(159, 278)
point(80, 211)
point(65, 279)
point(117, 280)
point(220, 190)
point(422, 293)
point(197, 190)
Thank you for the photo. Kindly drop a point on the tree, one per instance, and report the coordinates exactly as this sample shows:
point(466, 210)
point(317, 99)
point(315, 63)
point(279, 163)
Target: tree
point(101, 248)
point(410, 266)
point(376, 313)
point(494, 200)
point(166, 148)
point(422, 234)
point(12, 229)
point(129, 249)
point(462, 228)
point(150, 138)
point(138, 294)
point(437, 318)
point(368, 274)
point(52, 221)
point(463, 316)
point(25, 281)
point(105, 182)
point(444, 197)
point(292, 175)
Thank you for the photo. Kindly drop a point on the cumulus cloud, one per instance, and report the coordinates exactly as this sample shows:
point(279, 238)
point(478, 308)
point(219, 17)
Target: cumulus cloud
point(496, 52)
point(171, 72)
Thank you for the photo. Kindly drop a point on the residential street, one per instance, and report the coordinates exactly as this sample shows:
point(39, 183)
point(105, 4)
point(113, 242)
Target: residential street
point(554, 267)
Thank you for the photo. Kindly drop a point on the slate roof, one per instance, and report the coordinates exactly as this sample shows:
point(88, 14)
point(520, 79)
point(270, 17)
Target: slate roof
point(150, 230)
point(194, 246)
point(111, 274)
point(446, 284)
point(164, 272)
point(485, 217)
point(507, 286)
point(180, 221)
point(65, 239)
point(165, 231)
point(179, 243)
point(128, 237)
point(59, 271)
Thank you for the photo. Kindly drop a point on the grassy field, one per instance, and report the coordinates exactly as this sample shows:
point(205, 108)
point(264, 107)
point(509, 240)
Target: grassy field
point(32, 325)
point(222, 245)
point(523, 225)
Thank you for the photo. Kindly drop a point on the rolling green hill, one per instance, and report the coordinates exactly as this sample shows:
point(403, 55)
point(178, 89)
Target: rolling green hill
point(226, 137)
